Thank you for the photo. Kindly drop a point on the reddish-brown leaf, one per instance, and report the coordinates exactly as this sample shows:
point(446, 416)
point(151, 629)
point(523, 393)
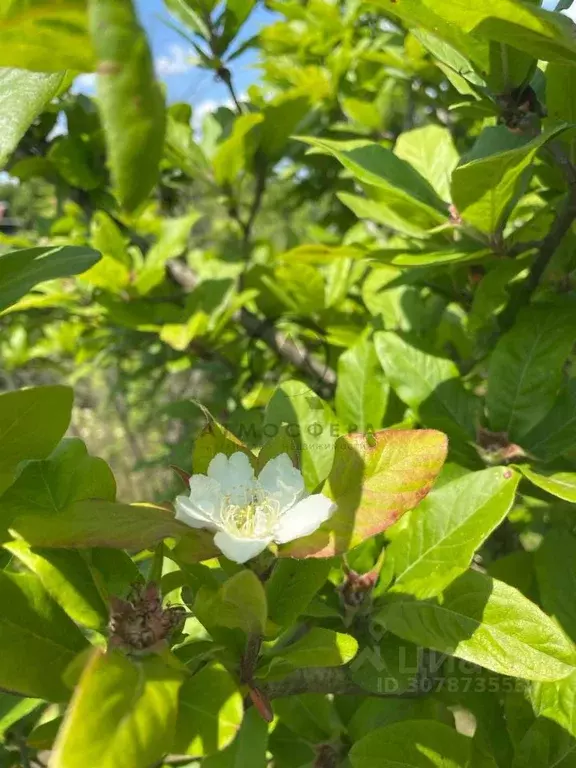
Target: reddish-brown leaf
point(375, 480)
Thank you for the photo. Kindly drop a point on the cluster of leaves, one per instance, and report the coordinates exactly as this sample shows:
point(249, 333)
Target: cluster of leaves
point(367, 263)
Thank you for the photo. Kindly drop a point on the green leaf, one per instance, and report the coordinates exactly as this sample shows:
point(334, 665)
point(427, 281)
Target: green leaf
point(236, 153)
point(555, 562)
point(12, 709)
point(556, 433)
point(543, 34)
point(45, 36)
point(32, 421)
point(561, 99)
point(484, 189)
point(525, 369)
point(215, 439)
point(311, 421)
point(546, 745)
point(560, 484)
point(184, 11)
point(491, 296)
point(74, 160)
point(95, 523)
point(292, 586)
point(130, 99)
point(477, 619)
point(209, 713)
point(431, 151)
point(556, 701)
point(412, 744)
point(235, 14)
point(66, 576)
point(362, 390)
point(395, 182)
point(136, 725)
point(429, 384)
point(318, 648)
point(21, 270)
point(446, 529)
point(37, 639)
point(374, 480)
point(50, 486)
point(23, 96)
point(247, 749)
point(244, 595)
point(398, 217)
point(171, 243)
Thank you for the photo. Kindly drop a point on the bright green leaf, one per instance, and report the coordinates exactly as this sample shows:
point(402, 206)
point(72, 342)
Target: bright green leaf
point(130, 99)
point(362, 390)
point(431, 151)
point(210, 712)
point(446, 529)
point(477, 620)
point(560, 484)
point(134, 723)
point(23, 95)
point(21, 270)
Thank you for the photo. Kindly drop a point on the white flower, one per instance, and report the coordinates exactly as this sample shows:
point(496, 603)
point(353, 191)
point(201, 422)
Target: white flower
point(248, 513)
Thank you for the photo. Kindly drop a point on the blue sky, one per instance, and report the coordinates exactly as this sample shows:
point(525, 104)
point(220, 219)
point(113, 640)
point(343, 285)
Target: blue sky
point(173, 58)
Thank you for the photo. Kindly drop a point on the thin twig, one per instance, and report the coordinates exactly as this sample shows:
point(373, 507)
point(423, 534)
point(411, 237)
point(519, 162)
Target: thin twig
point(334, 680)
point(296, 354)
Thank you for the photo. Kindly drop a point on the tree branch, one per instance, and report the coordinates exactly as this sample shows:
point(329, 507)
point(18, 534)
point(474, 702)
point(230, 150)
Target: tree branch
point(297, 355)
point(335, 680)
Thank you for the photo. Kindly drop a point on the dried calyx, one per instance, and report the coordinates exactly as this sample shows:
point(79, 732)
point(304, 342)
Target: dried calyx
point(141, 623)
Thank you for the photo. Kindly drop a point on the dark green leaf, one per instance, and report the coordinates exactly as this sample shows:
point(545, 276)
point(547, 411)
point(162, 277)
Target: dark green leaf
point(21, 270)
point(32, 421)
point(37, 639)
point(525, 370)
point(362, 390)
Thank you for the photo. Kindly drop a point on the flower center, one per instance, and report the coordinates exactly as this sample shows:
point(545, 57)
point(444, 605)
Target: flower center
point(255, 518)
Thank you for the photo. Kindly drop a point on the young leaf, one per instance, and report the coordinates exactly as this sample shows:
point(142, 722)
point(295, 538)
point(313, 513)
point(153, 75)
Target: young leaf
point(37, 639)
point(123, 713)
point(311, 421)
point(131, 101)
point(484, 188)
point(209, 713)
point(32, 421)
point(446, 529)
point(362, 390)
point(431, 151)
point(560, 484)
point(21, 270)
point(412, 744)
point(374, 480)
point(477, 619)
point(23, 96)
point(525, 369)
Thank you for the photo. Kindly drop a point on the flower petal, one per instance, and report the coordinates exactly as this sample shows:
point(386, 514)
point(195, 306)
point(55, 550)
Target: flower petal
point(235, 475)
point(304, 518)
point(239, 549)
point(189, 514)
point(282, 481)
